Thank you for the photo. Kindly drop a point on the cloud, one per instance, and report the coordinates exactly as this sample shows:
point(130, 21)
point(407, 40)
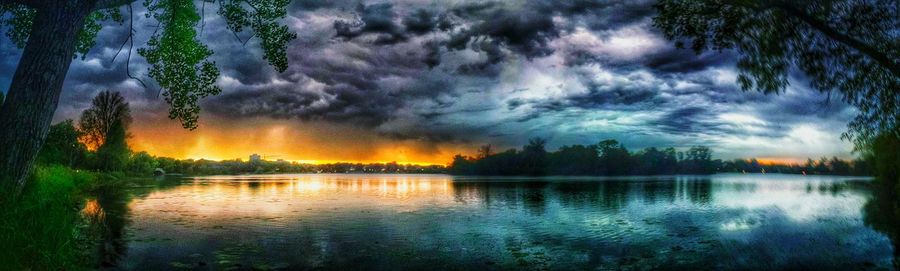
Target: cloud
point(461, 73)
point(377, 20)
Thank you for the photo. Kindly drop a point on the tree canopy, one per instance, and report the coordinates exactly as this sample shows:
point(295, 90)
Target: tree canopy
point(114, 153)
point(62, 146)
point(107, 108)
point(606, 158)
point(179, 60)
point(849, 46)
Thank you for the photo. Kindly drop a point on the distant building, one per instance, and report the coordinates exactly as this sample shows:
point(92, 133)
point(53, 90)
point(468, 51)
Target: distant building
point(255, 158)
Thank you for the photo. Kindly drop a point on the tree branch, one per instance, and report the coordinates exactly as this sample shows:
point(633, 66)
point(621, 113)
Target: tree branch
point(131, 47)
point(104, 4)
point(30, 3)
point(883, 60)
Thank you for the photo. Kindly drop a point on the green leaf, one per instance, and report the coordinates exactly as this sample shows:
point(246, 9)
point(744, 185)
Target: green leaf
point(179, 62)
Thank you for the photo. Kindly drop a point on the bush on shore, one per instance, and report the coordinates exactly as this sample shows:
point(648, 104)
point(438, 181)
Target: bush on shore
point(43, 229)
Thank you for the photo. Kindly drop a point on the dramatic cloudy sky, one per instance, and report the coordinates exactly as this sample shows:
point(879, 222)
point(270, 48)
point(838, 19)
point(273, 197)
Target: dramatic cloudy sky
point(418, 81)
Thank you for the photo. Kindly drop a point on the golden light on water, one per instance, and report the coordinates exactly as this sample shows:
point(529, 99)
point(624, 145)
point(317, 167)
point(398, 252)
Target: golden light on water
point(277, 197)
point(93, 211)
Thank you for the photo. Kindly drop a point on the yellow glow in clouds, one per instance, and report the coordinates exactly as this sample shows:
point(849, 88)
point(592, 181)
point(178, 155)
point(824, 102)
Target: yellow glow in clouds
point(291, 140)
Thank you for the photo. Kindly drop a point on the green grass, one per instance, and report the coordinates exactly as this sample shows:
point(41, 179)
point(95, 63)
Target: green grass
point(43, 229)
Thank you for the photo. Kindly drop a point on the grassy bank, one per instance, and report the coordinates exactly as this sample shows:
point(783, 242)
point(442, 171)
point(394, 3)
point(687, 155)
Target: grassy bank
point(45, 229)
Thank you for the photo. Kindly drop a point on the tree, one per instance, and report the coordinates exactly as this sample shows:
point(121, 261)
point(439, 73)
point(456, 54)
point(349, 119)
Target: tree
point(142, 163)
point(698, 159)
point(534, 156)
point(51, 32)
point(652, 161)
point(461, 165)
point(844, 45)
point(574, 160)
point(106, 109)
point(62, 146)
point(485, 151)
point(822, 165)
point(113, 154)
point(614, 157)
point(883, 157)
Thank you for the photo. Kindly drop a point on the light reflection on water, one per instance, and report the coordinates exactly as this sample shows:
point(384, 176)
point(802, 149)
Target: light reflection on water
point(444, 222)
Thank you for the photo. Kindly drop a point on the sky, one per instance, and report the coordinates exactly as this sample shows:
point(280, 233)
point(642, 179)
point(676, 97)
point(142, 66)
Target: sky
point(419, 81)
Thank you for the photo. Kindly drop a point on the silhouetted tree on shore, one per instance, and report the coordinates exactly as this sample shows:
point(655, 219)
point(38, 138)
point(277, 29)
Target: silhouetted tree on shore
point(114, 153)
point(534, 157)
point(52, 32)
point(607, 158)
point(825, 166)
point(614, 158)
point(884, 157)
point(62, 146)
point(107, 109)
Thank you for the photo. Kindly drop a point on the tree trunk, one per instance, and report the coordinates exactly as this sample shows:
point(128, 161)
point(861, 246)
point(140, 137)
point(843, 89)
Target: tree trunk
point(34, 93)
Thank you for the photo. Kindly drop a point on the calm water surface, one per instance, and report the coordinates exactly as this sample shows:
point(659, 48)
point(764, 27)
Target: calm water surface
point(474, 223)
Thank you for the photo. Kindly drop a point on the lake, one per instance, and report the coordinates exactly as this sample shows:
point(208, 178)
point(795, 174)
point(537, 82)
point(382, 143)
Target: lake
point(427, 222)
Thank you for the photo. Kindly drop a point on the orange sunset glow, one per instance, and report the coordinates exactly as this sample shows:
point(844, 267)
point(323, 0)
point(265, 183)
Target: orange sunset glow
point(768, 161)
point(305, 142)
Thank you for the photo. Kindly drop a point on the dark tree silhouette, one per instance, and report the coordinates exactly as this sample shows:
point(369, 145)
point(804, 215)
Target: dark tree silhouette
point(574, 160)
point(51, 32)
point(485, 151)
point(614, 158)
point(106, 109)
point(534, 157)
point(850, 46)
point(113, 154)
point(885, 158)
point(607, 158)
point(62, 146)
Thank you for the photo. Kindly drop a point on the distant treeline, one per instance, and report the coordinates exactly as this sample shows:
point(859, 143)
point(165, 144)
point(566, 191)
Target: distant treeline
point(823, 166)
point(98, 142)
point(237, 166)
point(611, 158)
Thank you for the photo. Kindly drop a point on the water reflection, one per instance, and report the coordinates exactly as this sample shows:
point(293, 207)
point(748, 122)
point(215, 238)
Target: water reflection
point(437, 221)
point(882, 213)
point(107, 215)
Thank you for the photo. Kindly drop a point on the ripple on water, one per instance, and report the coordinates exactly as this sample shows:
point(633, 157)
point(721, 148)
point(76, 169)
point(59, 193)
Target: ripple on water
point(432, 221)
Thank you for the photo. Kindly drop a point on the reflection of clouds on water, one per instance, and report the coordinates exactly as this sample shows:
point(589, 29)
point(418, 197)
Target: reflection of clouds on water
point(424, 221)
point(800, 198)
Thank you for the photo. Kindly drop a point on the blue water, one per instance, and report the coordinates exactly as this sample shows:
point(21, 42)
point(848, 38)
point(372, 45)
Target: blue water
point(427, 222)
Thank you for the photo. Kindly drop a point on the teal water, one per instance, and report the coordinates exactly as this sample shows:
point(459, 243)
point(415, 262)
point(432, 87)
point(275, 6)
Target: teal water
point(428, 222)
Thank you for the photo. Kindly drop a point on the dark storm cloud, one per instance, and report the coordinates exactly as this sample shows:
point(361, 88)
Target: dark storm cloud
point(674, 60)
point(598, 97)
point(421, 21)
point(624, 99)
point(341, 82)
point(275, 102)
point(468, 71)
point(687, 120)
point(617, 13)
point(524, 32)
point(699, 120)
point(377, 19)
point(309, 5)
